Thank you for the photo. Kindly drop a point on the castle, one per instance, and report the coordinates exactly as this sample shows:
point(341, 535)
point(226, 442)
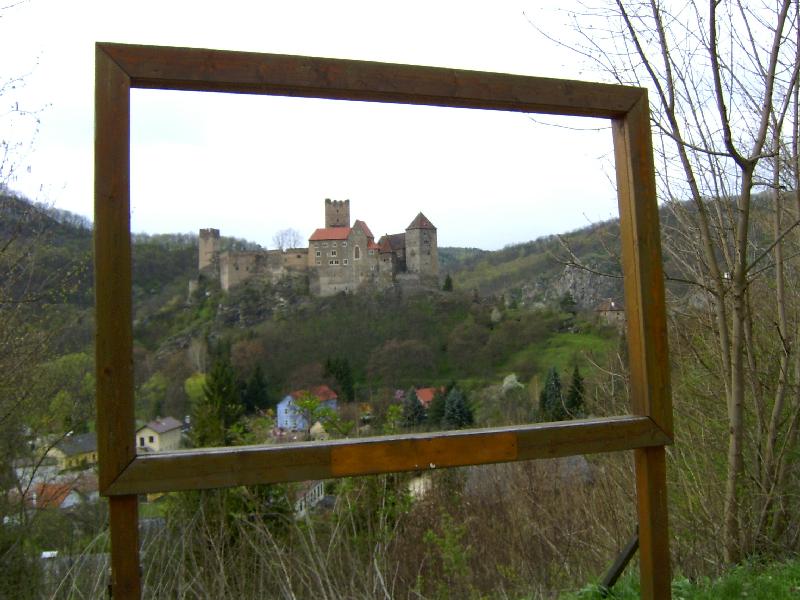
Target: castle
point(339, 257)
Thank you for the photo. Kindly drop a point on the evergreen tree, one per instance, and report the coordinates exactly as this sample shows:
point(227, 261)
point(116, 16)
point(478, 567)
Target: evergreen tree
point(575, 395)
point(413, 411)
point(436, 407)
point(448, 284)
point(567, 303)
point(220, 408)
point(457, 412)
point(256, 396)
point(551, 403)
point(342, 372)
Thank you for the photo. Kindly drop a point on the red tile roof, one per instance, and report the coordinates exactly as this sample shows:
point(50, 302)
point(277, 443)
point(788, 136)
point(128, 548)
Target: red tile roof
point(425, 395)
point(330, 233)
point(421, 222)
point(364, 228)
point(50, 495)
point(321, 393)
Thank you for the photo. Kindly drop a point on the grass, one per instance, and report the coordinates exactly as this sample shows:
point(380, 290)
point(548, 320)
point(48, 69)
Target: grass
point(563, 351)
point(774, 581)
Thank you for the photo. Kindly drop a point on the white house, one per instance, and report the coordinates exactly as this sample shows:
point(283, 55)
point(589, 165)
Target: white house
point(159, 435)
point(289, 416)
point(307, 496)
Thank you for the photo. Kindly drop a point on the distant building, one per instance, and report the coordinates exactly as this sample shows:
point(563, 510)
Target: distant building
point(425, 395)
point(611, 312)
point(339, 258)
point(306, 496)
point(289, 416)
point(159, 435)
point(75, 451)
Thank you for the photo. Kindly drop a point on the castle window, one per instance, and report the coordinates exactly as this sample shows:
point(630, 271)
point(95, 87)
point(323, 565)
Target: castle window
point(324, 244)
point(318, 253)
point(333, 252)
point(344, 244)
point(344, 262)
point(357, 253)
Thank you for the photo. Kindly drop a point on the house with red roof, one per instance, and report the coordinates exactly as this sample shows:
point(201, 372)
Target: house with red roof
point(425, 395)
point(290, 417)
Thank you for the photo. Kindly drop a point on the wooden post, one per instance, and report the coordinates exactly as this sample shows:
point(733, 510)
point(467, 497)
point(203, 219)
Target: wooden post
point(647, 336)
point(113, 302)
point(651, 496)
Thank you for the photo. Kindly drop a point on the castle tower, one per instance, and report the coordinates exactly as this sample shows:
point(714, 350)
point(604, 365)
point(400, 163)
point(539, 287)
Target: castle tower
point(337, 213)
point(208, 259)
point(422, 251)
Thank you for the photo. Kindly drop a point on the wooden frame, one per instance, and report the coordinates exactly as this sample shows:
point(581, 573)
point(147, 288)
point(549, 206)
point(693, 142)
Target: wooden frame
point(647, 430)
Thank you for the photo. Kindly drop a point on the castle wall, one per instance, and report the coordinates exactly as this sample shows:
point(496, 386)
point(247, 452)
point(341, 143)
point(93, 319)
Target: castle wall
point(237, 267)
point(295, 259)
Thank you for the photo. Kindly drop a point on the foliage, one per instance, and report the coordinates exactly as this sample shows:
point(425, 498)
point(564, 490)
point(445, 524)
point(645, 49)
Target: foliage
point(220, 409)
point(778, 581)
point(151, 396)
point(436, 408)
point(551, 401)
point(575, 402)
point(413, 411)
point(457, 411)
point(448, 284)
point(256, 395)
point(339, 368)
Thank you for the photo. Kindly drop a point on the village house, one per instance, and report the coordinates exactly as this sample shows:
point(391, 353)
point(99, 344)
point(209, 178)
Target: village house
point(611, 312)
point(306, 496)
point(425, 395)
point(290, 417)
point(75, 451)
point(159, 435)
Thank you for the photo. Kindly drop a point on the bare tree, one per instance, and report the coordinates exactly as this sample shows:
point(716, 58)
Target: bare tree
point(723, 81)
point(287, 238)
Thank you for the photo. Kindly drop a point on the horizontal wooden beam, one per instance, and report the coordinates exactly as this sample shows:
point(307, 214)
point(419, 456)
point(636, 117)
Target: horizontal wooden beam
point(250, 465)
point(196, 69)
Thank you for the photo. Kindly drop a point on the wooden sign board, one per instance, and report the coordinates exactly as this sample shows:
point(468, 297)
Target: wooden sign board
point(646, 430)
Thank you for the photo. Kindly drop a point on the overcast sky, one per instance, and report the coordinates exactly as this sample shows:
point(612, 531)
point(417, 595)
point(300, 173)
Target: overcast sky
point(253, 165)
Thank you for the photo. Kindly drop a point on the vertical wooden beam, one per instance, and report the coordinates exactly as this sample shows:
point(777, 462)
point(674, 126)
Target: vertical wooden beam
point(124, 525)
point(647, 336)
point(651, 494)
point(114, 322)
point(645, 308)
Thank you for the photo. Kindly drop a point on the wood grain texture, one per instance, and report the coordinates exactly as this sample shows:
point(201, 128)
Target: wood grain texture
point(123, 475)
point(273, 74)
point(123, 514)
point(248, 465)
point(112, 276)
point(655, 572)
point(643, 276)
